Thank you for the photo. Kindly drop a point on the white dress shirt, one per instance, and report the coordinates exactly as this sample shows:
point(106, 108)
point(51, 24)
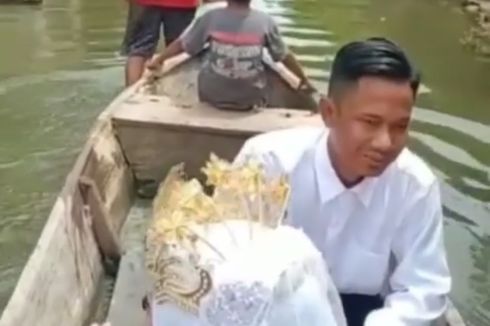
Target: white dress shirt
point(383, 236)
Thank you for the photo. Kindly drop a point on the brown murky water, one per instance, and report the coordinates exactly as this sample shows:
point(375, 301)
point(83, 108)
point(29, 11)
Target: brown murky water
point(59, 67)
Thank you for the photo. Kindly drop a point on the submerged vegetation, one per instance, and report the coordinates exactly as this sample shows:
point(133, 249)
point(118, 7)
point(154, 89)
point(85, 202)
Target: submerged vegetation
point(478, 36)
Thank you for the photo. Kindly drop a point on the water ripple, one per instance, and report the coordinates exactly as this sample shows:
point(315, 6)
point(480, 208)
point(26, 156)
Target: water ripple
point(294, 30)
point(451, 152)
point(479, 131)
point(305, 42)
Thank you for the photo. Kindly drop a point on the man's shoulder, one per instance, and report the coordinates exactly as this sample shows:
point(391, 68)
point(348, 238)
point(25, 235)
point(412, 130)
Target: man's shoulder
point(411, 166)
point(261, 13)
point(268, 19)
point(211, 11)
point(285, 145)
point(210, 8)
point(285, 139)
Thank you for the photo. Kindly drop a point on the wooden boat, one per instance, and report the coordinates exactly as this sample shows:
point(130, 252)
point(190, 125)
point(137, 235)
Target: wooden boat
point(93, 235)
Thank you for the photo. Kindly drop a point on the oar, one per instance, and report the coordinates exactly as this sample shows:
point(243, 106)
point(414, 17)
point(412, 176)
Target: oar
point(291, 79)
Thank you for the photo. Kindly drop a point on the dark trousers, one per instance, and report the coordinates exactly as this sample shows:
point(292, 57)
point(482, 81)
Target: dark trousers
point(144, 24)
point(357, 307)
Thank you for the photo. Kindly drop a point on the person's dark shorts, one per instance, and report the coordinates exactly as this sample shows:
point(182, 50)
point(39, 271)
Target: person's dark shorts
point(145, 23)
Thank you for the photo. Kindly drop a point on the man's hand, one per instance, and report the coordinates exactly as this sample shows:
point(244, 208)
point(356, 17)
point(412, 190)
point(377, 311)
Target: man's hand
point(155, 63)
point(153, 68)
point(306, 86)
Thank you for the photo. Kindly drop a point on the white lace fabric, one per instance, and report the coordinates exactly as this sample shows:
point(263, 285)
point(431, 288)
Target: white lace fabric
point(276, 279)
point(226, 260)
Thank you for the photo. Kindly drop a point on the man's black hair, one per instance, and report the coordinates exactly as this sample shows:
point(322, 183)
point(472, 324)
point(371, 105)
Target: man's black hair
point(374, 57)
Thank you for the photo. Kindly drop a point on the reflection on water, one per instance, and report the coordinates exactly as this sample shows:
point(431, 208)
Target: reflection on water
point(55, 74)
point(59, 66)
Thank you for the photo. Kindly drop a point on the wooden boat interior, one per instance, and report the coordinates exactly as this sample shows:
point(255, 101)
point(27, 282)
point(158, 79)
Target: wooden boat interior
point(170, 126)
point(180, 84)
point(88, 263)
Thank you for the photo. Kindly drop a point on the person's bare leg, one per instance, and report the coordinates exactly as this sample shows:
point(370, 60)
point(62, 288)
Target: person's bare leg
point(135, 66)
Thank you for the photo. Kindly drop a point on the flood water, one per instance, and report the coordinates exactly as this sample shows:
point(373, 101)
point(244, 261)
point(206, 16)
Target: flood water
point(59, 67)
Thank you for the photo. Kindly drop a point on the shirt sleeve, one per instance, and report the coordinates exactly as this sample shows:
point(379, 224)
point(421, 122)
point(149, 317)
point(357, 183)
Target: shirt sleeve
point(420, 282)
point(274, 43)
point(196, 36)
point(269, 161)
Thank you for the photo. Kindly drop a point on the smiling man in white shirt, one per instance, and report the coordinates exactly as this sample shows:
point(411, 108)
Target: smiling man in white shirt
point(370, 205)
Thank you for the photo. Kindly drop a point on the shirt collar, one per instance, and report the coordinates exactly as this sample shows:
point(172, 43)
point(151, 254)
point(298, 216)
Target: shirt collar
point(329, 184)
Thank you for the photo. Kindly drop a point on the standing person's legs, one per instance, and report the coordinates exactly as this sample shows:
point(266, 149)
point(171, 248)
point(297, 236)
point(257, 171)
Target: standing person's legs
point(141, 39)
point(175, 21)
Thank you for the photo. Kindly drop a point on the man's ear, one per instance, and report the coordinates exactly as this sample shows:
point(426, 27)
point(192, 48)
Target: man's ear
point(327, 110)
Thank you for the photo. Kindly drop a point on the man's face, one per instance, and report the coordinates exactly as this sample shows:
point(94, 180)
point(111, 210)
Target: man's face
point(369, 124)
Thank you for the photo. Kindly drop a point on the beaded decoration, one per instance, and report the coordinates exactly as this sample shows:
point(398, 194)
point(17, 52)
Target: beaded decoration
point(237, 304)
point(240, 192)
